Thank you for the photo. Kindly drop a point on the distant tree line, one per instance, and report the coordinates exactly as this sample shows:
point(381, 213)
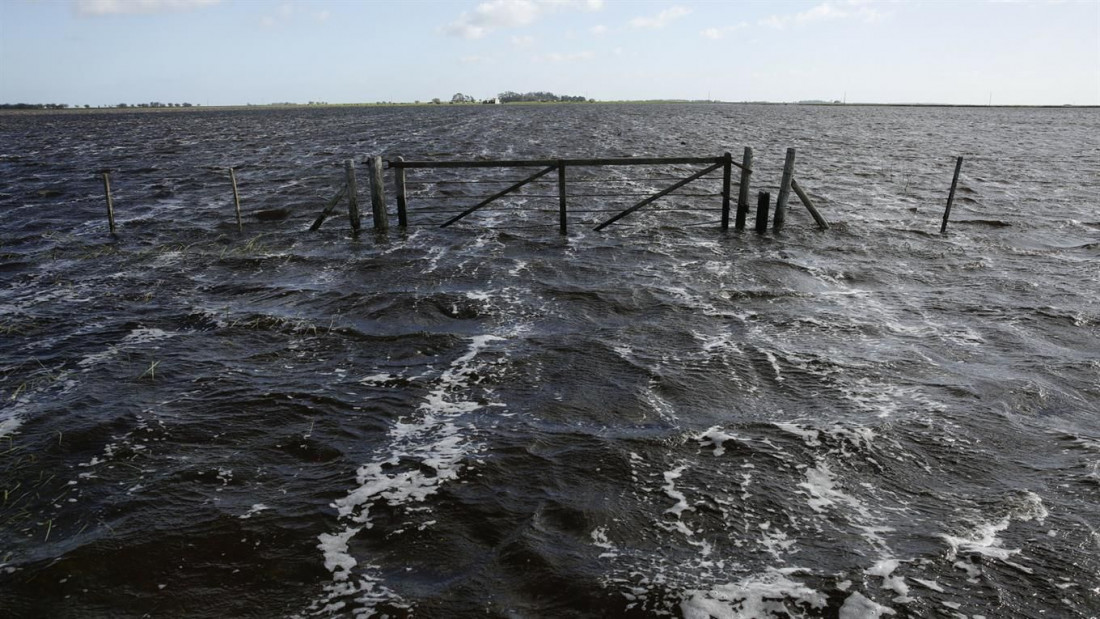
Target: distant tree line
point(33, 106)
point(63, 106)
point(539, 97)
point(155, 104)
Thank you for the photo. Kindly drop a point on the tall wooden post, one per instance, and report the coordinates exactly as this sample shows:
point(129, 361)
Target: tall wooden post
point(762, 205)
point(399, 187)
point(562, 219)
point(727, 173)
point(951, 196)
point(236, 200)
point(378, 194)
point(353, 194)
point(110, 202)
point(743, 194)
point(784, 191)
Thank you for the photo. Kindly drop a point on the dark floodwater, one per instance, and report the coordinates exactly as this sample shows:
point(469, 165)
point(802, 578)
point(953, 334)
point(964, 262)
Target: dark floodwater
point(493, 420)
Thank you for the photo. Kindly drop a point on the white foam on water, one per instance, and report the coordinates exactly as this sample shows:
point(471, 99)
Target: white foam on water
point(981, 538)
point(136, 337)
point(599, 538)
point(674, 494)
point(716, 437)
point(885, 570)
point(436, 440)
point(857, 606)
point(930, 584)
point(377, 379)
point(775, 365)
point(255, 509)
point(768, 594)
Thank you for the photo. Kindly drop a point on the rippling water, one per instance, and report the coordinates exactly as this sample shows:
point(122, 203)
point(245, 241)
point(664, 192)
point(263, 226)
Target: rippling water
point(495, 420)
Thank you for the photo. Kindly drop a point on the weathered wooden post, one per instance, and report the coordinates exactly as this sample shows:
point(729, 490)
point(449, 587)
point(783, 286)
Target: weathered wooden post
point(818, 217)
point(950, 196)
point(399, 187)
point(353, 194)
point(110, 202)
point(727, 173)
point(378, 194)
point(743, 195)
point(236, 200)
point(562, 219)
point(762, 204)
point(784, 191)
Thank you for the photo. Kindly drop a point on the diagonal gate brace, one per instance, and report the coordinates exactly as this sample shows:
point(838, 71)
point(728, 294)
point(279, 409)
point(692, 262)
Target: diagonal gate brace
point(500, 194)
point(662, 194)
point(329, 208)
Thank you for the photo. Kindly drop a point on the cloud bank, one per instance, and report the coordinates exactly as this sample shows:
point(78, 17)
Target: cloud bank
point(138, 7)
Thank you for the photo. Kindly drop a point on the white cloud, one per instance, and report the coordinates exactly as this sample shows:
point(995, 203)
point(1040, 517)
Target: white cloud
point(131, 7)
point(829, 10)
point(598, 30)
point(570, 57)
point(718, 33)
point(524, 41)
point(662, 19)
point(501, 14)
point(475, 59)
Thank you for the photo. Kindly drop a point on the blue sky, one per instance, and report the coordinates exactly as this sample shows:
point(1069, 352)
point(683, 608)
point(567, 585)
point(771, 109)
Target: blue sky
point(219, 52)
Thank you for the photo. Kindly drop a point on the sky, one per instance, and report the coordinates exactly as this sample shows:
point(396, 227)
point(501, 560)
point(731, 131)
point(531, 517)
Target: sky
point(229, 52)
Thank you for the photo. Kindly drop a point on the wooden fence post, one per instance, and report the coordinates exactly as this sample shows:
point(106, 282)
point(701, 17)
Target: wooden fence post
point(110, 202)
point(236, 200)
point(818, 217)
point(399, 187)
point(353, 194)
point(762, 204)
point(951, 196)
point(743, 194)
point(562, 219)
point(378, 194)
point(727, 173)
point(784, 191)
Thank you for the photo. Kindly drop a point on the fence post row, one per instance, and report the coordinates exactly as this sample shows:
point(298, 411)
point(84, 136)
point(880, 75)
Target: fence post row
point(726, 162)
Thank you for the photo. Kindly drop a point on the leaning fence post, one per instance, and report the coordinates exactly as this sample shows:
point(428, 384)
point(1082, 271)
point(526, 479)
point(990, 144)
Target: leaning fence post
point(727, 172)
point(743, 194)
point(762, 204)
point(236, 200)
point(562, 219)
point(818, 217)
point(110, 203)
point(951, 196)
point(784, 191)
point(399, 187)
point(378, 194)
point(353, 194)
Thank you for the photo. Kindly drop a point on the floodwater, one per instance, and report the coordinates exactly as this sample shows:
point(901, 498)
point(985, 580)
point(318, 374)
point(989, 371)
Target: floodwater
point(492, 419)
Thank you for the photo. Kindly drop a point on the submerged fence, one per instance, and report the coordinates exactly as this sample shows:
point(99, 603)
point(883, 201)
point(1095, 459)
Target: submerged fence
point(566, 172)
point(581, 194)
